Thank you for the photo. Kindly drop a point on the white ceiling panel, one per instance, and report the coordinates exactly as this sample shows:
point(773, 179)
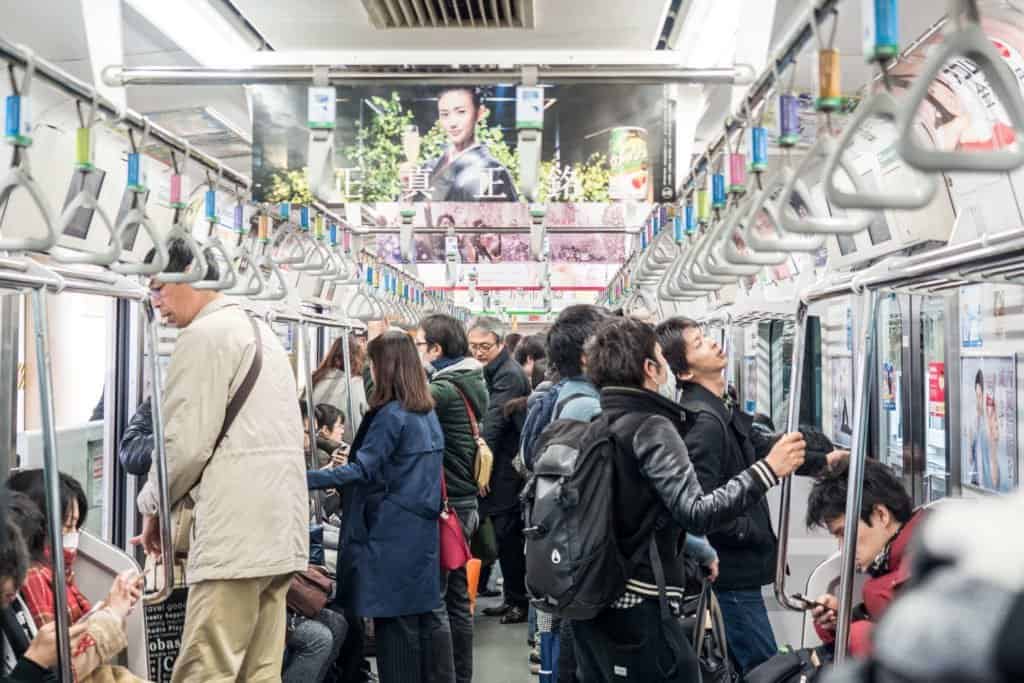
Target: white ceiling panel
point(559, 24)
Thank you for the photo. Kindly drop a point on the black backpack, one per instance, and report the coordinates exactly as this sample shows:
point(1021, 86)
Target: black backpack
point(574, 565)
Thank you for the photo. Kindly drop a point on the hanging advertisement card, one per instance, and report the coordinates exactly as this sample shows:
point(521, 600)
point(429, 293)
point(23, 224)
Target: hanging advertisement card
point(988, 432)
point(937, 395)
point(970, 317)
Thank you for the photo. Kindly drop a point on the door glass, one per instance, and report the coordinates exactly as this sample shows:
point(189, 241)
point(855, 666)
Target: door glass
point(79, 339)
point(934, 347)
point(781, 351)
point(890, 376)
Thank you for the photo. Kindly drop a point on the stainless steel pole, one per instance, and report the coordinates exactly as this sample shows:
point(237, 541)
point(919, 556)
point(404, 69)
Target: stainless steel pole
point(54, 513)
point(159, 461)
point(796, 378)
point(858, 456)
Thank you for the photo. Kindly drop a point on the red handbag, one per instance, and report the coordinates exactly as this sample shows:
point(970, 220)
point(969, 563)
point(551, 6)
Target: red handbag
point(454, 548)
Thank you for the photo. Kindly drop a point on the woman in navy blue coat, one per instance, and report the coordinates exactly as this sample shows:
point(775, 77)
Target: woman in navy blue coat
point(388, 558)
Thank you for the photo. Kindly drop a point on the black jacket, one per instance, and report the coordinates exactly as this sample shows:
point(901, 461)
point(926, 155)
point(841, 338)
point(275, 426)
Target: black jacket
point(653, 471)
point(747, 545)
point(506, 380)
point(136, 450)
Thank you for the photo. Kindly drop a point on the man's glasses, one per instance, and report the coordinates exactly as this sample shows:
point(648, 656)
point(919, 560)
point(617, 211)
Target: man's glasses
point(483, 348)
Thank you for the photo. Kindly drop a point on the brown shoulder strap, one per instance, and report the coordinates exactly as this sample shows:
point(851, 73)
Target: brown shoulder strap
point(245, 388)
point(469, 411)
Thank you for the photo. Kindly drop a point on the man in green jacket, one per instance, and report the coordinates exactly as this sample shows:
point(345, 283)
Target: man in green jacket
point(458, 387)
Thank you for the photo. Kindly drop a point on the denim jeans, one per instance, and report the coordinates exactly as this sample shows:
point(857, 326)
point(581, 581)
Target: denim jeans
point(454, 621)
point(747, 628)
point(313, 646)
point(623, 645)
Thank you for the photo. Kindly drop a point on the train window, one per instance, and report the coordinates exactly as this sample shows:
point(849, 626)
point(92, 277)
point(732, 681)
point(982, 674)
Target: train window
point(890, 380)
point(80, 339)
point(934, 348)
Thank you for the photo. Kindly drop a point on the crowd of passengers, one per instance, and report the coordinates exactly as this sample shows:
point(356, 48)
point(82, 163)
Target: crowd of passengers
point(399, 426)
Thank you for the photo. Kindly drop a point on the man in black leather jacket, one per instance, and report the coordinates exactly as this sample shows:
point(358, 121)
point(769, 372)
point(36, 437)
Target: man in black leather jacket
point(136, 449)
point(632, 640)
point(723, 441)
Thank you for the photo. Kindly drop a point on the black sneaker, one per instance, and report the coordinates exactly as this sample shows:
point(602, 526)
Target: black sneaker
point(489, 594)
point(515, 615)
point(498, 611)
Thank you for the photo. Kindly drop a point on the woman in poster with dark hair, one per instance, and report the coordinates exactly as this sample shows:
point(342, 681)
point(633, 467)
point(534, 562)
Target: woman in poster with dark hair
point(466, 171)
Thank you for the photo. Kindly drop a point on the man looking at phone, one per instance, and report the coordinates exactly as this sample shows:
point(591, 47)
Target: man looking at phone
point(886, 527)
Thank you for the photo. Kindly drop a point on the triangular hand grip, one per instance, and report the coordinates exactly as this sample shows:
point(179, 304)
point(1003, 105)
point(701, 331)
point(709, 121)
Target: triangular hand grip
point(197, 269)
point(290, 251)
point(86, 200)
point(271, 293)
point(817, 225)
point(754, 256)
point(17, 177)
point(247, 268)
point(228, 277)
point(782, 241)
point(969, 41)
point(720, 265)
point(160, 259)
point(919, 191)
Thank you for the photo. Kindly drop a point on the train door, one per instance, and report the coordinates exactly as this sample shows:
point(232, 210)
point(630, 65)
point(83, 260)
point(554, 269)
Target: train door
point(931, 419)
point(891, 399)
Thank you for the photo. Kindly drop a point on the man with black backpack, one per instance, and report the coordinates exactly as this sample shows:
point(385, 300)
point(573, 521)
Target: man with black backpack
point(621, 492)
point(724, 441)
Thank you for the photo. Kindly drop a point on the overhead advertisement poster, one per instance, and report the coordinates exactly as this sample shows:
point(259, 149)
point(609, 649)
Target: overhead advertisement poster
point(988, 432)
point(458, 146)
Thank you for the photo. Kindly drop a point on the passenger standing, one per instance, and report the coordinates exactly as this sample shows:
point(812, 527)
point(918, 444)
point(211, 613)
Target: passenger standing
point(722, 443)
point(389, 557)
point(455, 381)
point(634, 639)
point(506, 381)
point(574, 397)
point(331, 386)
point(532, 354)
point(251, 519)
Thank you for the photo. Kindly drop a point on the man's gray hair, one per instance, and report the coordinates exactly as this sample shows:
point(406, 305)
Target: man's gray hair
point(489, 324)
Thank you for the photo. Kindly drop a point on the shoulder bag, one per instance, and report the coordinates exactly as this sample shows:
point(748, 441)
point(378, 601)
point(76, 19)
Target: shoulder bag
point(484, 460)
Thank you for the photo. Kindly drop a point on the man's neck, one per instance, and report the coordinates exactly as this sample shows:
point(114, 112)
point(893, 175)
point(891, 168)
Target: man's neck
point(714, 383)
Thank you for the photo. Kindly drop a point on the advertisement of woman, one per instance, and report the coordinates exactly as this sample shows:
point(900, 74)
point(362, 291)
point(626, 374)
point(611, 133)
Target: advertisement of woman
point(465, 171)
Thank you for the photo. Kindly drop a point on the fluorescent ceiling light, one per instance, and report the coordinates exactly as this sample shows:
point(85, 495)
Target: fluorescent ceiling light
point(199, 29)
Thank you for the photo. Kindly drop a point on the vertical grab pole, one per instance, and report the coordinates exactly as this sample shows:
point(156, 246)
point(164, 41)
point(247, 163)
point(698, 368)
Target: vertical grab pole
point(160, 461)
point(351, 417)
point(796, 374)
point(307, 355)
point(858, 456)
point(55, 518)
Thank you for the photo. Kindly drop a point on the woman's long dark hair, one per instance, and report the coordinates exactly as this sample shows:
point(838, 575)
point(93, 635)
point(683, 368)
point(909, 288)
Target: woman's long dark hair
point(335, 359)
point(398, 373)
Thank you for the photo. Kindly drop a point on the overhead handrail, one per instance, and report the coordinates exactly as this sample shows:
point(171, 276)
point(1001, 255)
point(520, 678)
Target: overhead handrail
point(17, 130)
point(227, 278)
point(968, 40)
point(85, 199)
point(309, 248)
point(159, 461)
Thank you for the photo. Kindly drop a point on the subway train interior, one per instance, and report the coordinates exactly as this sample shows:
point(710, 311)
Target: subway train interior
point(828, 194)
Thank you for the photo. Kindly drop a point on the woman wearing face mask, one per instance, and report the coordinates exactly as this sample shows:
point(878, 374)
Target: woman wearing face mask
point(105, 620)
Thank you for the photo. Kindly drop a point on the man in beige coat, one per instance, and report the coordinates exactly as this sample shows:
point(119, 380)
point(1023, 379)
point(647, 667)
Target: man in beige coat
point(251, 526)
